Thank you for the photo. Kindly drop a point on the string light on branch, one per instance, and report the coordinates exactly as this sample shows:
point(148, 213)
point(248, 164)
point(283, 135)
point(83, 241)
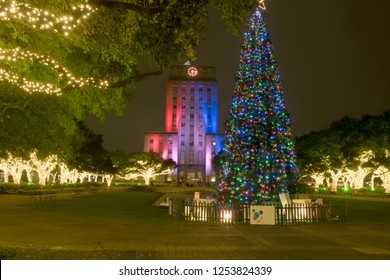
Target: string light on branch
point(27, 85)
point(13, 55)
point(38, 18)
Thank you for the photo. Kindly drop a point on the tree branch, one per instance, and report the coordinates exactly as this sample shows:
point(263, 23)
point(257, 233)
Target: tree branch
point(125, 82)
point(7, 106)
point(138, 76)
point(129, 6)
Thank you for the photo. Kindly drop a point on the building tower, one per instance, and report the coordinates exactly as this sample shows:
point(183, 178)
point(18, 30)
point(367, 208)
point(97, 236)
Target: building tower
point(190, 136)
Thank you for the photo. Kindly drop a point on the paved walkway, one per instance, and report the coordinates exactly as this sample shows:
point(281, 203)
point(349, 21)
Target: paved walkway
point(47, 235)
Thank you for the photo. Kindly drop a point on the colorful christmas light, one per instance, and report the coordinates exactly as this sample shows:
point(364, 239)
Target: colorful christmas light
point(260, 160)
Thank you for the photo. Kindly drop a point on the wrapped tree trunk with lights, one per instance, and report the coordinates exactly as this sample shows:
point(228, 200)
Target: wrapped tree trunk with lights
point(12, 166)
point(148, 166)
point(259, 161)
point(43, 167)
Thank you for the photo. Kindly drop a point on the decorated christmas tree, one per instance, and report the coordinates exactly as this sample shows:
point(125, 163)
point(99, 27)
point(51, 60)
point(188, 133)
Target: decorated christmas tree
point(259, 159)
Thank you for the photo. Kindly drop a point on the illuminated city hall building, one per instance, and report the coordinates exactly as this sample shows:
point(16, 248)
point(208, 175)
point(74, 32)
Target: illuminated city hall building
point(191, 117)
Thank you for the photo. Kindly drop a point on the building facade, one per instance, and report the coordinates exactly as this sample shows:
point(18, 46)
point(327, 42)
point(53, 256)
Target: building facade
point(191, 136)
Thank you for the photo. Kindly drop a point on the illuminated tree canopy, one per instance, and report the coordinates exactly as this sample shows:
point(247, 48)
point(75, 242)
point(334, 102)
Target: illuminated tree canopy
point(344, 140)
point(348, 152)
point(89, 52)
point(147, 166)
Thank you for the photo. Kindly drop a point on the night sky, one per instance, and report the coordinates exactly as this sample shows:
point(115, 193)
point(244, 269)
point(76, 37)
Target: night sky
point(333, 56)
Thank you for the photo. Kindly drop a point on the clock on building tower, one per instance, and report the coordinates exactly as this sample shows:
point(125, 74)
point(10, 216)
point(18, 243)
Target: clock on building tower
point(192, 71)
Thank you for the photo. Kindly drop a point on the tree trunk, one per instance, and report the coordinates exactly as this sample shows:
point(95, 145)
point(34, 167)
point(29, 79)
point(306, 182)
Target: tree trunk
point(108, 179)
point(29, 176)
point(42, 179)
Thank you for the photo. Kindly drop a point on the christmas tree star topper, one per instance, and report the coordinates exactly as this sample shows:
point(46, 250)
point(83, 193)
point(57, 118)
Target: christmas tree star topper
point(262, 4)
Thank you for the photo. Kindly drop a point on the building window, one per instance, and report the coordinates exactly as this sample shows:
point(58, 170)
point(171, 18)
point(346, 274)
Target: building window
point(200, 89)
point(191, 157)
point(192, 89)
point(208, 89)
point(182, 143)
point(151, 150)
point(183, 106)
point(200, 143)
point(183, 124)
point(170, 141)
point(191, 116)
point(191, 143)
point(174, 90)
point(200, 157)
point(151, 141)
point(169, 151)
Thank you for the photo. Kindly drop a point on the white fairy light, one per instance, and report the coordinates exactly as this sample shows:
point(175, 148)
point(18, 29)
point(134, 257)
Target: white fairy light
point(147, 171)
point(13, 10)
point(43, 167)
point(15, 166)
point(17, 54)
point(12, 166)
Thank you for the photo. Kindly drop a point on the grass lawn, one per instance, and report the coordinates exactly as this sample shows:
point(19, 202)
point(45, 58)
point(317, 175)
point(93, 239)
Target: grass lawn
point(368, 212)
point(128, 217)
point(364, 210)
point(129, 209)
point(117, 207)
point(136, 208)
